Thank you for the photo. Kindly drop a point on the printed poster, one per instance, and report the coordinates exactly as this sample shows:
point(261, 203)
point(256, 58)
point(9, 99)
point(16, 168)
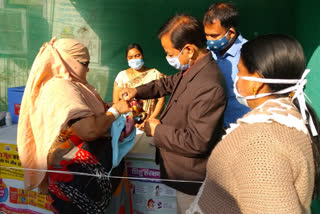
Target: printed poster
point(14, 199)
point(149, 196)
point(9, 158)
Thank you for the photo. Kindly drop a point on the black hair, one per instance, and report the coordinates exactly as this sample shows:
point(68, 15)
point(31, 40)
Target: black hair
point(277, 56)
point(184, 29)
point(226, 13)
point(133, 45)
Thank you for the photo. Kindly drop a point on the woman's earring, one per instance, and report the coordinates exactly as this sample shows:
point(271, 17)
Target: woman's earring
point(254, 91)
point(291, 94)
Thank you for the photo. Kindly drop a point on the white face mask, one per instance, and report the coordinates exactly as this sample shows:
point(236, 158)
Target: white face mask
point(297, 88)
point(175, 62)
point(241, 99)
point(136, 64)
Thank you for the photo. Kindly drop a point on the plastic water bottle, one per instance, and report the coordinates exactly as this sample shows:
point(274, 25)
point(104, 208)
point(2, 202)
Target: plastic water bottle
point(8, 119)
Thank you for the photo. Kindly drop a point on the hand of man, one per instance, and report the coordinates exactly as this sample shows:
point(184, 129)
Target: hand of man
point(122, 107)
point(141, 126)
point(128, 93)
point(150, 127)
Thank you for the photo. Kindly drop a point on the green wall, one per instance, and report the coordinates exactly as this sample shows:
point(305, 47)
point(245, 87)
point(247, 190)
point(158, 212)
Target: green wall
point(307, 25)
point(109, 26)
point(121, 22)
point(307, 31)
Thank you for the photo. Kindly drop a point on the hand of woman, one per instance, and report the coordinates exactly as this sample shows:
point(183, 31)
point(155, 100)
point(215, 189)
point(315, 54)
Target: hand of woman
point(128, 93)
point(122, 106)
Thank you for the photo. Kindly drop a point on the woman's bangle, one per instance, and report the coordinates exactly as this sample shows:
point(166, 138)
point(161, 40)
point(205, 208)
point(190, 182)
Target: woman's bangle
point(114, 112)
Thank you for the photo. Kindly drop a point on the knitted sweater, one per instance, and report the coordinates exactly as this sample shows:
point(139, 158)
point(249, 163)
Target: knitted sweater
point(264, 165)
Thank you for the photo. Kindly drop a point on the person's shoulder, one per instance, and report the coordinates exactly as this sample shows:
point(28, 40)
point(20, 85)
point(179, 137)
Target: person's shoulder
point(250, 139)
point(272, 142)
point(154, 70)
point(59, 85)
point(208, 62)
point(59, 82)
point(122, 72)
point(272, 135)
point(121, 75)
point(211, 69)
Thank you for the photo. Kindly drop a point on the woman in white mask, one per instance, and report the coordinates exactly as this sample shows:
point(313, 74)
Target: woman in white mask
point(137, 74)
point(269, 161)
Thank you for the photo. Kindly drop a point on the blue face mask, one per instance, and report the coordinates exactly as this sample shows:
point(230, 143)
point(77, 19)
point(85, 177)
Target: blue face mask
point(218, 45)
point(175, 62)
point(136, 64)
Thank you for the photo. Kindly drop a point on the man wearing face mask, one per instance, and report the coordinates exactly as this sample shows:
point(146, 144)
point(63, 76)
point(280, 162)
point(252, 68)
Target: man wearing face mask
point(225, 42)
point(192, 123)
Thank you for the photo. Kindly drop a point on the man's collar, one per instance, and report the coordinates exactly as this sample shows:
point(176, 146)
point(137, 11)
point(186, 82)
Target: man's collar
point(195, 68)
point(234, 48)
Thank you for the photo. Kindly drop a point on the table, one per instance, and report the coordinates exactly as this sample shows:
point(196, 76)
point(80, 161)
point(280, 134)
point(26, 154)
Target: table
point(149, 196)
point(13, 197)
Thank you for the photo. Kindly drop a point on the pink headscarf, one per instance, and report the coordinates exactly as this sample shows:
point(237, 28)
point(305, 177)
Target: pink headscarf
point(56, 92)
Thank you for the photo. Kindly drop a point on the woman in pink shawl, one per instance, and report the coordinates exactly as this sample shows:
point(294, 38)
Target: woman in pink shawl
point(63, 126)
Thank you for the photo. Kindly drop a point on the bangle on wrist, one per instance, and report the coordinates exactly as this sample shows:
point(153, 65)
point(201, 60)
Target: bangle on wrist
point(114, 112)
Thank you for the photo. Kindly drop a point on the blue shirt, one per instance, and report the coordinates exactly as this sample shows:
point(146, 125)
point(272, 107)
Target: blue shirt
point(228, 64)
